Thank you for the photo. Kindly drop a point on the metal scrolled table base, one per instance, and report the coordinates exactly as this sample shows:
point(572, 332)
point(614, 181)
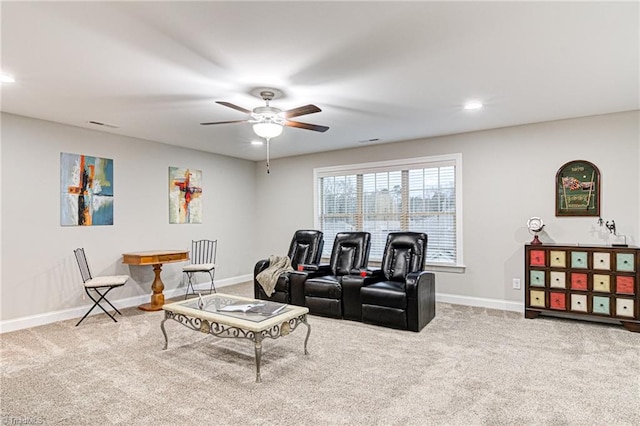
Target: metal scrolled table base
point(225, 331)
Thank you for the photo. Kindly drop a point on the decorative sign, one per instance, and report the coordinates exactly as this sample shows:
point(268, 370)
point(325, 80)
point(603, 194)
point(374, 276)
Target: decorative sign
point(86, 190)
point(185, 191)
point(578, 189)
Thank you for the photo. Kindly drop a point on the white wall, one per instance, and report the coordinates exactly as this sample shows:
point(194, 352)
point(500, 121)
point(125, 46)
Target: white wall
point(39, 273)
point(508, 176)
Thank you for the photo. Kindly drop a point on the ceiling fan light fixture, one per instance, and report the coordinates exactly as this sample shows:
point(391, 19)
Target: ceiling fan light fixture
point(267, 130)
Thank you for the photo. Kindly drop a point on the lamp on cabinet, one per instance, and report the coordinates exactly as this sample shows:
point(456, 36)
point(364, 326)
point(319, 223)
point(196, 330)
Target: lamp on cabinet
point(535, 225)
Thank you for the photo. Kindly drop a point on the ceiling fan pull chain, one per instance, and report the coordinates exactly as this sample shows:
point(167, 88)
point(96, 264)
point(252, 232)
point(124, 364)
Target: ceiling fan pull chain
point(268, 139)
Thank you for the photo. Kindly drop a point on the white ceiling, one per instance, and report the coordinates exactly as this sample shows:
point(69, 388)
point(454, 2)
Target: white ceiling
point(387, 70)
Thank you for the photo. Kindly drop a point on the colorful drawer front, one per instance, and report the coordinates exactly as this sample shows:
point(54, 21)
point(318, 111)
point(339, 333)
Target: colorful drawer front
point(625, 285)
point(558, 301)
point(536, 258)
point(537, 299)
point(579, 302)
point(601, 305)
point(602, 261)
point(624, 308)
point(602, 283)
point(578, 281)
point(625, 262)
point(537, 278)
point(557, 259)
point(579, 259)
point(557, 279)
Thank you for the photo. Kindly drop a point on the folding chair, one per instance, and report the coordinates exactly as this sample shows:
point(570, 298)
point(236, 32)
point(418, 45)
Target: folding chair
point(100, 285)
point(203, 259)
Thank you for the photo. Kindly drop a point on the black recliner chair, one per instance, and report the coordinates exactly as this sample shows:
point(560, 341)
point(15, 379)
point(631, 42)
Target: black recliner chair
point(305, 248)
point(323, 285)
point(400, 294)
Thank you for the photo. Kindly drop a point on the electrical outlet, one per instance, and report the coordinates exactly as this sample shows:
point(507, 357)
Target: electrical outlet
point(516, 283)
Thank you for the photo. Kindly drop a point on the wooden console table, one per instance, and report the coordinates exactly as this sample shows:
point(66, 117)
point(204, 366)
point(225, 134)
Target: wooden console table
point(156, 258)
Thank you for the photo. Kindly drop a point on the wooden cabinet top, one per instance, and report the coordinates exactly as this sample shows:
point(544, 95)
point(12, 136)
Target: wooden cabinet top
point(580, 246)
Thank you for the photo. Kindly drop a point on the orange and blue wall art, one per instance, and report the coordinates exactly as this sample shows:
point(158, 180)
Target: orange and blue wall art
point(185, 195)
point(86, 190)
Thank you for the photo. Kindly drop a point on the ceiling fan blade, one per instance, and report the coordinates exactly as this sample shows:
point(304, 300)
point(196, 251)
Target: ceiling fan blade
point(303, 110)
point(233, 106)
point(224, 122)
point(314, 127)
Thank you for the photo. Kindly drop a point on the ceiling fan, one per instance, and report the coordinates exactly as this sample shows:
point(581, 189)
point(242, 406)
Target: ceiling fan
point(268, 121)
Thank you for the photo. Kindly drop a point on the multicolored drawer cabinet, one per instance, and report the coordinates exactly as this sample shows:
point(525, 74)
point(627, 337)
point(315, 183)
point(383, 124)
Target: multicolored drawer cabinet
point(589, 282)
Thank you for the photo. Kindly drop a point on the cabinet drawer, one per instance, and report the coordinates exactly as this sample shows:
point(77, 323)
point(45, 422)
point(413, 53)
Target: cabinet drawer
point(578, 281)
point(536, 258)
point(602, 283)
point(624, 308)
point(579, 302)
point(558, 301)
point(602, 261)
point(536, 299)
point(625, 262)
point(536, 279)
point(579, 259)
point(601, 305)
point(625, 285)
point(557, 279)
point(558, 259)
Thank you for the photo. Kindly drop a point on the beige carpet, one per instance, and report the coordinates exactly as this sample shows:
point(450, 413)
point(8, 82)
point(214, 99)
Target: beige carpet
point(469, 366)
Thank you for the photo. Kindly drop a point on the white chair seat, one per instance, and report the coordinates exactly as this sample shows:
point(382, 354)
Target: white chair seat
point(107, 281)
point(199, 267)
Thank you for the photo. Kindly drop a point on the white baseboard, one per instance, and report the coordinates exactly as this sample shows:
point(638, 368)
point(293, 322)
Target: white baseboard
point(481, 302)
point(66, 314)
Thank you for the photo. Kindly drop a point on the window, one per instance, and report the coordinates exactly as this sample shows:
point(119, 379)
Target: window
point(420, 194)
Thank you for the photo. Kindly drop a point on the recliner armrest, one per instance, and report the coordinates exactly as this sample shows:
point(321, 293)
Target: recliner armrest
point(366, 272)
point(363, 277)
point(416, 280)
point(261, 265)
point(308, 267)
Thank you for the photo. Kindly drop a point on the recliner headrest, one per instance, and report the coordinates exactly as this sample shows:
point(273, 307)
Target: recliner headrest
point(306, 247)
point(404, 252)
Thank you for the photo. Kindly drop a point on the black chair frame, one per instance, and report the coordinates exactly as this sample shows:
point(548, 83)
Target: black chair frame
point(101, 290)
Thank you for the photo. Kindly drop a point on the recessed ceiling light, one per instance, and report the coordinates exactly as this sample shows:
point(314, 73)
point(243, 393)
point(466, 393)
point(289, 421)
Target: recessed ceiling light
point(473, 105)
point(7, 78)
point(257, 143)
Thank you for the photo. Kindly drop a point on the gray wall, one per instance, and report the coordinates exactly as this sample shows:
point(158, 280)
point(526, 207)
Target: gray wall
point(508, 176)
point(39, 272)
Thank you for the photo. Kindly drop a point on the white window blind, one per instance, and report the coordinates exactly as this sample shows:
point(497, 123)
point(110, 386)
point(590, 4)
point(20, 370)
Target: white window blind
point(420, 195)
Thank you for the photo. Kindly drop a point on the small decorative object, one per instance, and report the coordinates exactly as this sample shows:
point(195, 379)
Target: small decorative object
point(86, 190)
point(611, 226)
point(578, 189)
point(535, 225)
point(185, 195)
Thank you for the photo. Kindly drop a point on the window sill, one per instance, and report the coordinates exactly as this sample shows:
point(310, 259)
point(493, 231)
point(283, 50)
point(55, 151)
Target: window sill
point(456, 269)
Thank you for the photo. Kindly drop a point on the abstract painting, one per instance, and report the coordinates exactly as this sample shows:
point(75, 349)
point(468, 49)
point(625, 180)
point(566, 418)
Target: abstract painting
point(86, 190)
point(185, 195)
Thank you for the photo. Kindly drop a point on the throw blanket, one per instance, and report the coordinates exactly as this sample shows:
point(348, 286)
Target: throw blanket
point(269, 277)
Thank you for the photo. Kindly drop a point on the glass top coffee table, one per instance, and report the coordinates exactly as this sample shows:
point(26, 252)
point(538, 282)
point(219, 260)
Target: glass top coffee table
point(224, 315)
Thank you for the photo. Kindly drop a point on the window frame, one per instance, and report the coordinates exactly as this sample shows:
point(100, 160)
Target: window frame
point(395, 165)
